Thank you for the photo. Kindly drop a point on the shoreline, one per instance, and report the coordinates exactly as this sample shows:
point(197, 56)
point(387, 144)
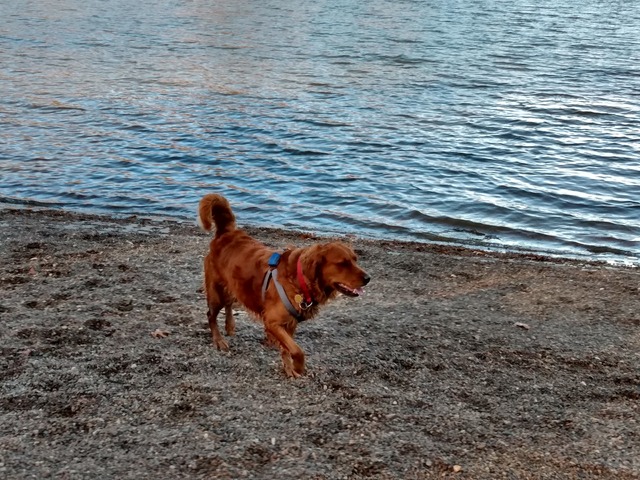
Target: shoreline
point(457, 362)
point(608, 256)
point(445, 247)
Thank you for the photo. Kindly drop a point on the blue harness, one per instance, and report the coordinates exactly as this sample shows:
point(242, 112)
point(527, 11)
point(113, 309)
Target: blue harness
point(272, 273)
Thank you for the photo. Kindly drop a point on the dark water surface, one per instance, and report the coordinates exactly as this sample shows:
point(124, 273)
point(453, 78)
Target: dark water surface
point(502, 123)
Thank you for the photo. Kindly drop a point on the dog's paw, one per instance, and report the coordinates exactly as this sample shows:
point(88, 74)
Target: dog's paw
point(221, 345)
point(291, 373)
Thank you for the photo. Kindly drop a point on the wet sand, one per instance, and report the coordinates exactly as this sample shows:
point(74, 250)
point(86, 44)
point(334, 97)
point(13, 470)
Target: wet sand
point(456, 363)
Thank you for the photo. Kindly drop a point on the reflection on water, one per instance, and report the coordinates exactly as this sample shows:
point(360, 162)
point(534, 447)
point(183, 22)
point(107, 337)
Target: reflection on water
point(497, 123)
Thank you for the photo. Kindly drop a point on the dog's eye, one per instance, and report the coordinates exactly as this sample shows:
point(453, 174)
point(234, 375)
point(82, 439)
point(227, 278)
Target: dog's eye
point(345, 263)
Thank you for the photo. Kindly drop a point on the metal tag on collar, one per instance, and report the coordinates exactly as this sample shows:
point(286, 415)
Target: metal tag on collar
point(301, 302)
point(274, 260)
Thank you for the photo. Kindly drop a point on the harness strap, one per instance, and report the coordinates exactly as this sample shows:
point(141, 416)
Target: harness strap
point(283, 295)
point(265, 283)
point(273, 273)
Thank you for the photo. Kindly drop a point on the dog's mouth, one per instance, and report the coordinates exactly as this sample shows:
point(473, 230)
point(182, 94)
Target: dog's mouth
point(348, 291)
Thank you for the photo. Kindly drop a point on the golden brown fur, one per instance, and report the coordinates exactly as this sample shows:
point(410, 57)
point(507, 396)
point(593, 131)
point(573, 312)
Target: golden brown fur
point(235, 267)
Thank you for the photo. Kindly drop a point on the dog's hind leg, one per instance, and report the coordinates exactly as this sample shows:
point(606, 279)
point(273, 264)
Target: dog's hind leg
point(212, 316)
point(229, 321)
point(216, 299)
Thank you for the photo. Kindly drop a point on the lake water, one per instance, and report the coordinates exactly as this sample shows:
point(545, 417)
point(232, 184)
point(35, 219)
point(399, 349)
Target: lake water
point(508, 124)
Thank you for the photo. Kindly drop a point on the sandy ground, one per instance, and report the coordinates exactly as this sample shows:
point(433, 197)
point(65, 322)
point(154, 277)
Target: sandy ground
point(456, 364)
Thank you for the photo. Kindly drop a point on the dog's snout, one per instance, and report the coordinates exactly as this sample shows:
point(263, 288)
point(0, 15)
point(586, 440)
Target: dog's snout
point(366, 279)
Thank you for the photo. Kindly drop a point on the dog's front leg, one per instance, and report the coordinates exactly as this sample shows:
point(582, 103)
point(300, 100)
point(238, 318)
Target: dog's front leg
point(287, 363)
point(292, 354)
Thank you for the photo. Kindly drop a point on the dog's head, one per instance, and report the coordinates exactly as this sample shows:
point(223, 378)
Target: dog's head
point(337, 270)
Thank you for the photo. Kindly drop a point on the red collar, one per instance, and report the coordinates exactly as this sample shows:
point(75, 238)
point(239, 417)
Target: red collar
point(308, 299)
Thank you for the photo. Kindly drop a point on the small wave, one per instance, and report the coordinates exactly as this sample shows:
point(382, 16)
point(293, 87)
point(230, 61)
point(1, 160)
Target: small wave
point(402, 60)
point(324, 123)
point(56, 105)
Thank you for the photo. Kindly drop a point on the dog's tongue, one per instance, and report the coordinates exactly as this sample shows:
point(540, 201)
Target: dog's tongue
point(359, 291)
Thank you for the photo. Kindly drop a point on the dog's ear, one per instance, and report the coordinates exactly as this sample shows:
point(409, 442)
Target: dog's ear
point(313, 259)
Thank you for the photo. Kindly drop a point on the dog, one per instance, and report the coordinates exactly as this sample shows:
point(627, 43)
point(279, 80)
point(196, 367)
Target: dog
point(280, 289)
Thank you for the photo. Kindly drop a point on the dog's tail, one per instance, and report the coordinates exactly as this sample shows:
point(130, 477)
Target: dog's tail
point(215, 210)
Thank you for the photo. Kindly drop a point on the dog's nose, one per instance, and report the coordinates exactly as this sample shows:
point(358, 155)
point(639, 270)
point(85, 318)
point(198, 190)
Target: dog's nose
point(366, 279)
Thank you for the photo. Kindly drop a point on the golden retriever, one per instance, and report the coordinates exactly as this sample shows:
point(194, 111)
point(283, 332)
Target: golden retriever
point(239, 267)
